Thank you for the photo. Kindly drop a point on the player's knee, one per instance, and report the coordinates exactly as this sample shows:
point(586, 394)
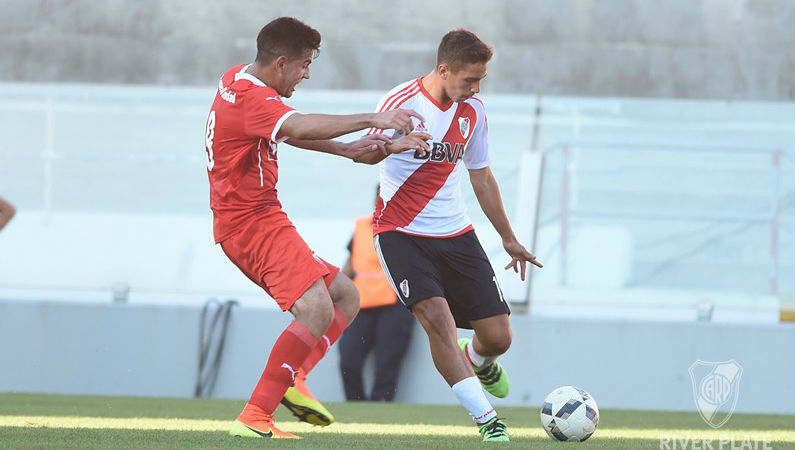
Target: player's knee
point(350, 303)
point(497, 342)
point(314, 311)
point(502, 345)
point(325, 315)
point(345, 296)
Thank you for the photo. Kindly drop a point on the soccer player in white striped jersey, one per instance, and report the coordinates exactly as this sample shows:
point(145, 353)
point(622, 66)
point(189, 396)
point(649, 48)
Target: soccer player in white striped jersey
point(426, 242)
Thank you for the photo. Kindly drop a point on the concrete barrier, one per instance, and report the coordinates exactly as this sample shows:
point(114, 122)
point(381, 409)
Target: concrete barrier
point(139, 350)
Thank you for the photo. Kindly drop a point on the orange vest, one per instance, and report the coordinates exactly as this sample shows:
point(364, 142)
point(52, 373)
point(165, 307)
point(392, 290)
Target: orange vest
point(374, 288)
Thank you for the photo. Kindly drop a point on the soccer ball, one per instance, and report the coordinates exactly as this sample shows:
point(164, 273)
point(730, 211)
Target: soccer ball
point(569, 414)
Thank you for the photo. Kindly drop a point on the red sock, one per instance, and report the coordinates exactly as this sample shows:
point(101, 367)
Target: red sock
point(289, 351)
point(338, 325)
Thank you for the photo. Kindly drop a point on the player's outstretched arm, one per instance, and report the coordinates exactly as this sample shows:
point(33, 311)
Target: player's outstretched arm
point(488, 194)
point(7, 211)
point(364, 147)
point(329, 126)
point(370, 149)
point(415, 141)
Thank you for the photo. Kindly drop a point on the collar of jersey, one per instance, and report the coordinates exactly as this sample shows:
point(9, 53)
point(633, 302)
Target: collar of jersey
point(243, 75)
point(430, 97)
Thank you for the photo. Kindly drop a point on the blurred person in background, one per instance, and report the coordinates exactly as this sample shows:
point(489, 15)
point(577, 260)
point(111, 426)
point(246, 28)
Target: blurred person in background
point(383, 325)
point(7, 212)
point(426, 242)
point(246, 122)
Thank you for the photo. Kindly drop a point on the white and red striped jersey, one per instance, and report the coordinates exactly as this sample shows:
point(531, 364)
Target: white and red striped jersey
point(422, 196)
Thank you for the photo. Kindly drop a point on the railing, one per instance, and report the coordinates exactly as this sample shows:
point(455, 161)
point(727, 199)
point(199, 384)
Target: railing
point(770, 214)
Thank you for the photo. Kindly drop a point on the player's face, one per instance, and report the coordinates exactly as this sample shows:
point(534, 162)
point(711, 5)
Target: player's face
point(464, 82)
point(295, 71)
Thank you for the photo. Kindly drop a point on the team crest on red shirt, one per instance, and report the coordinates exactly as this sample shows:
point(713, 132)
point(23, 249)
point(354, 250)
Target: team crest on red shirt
point(463, 126)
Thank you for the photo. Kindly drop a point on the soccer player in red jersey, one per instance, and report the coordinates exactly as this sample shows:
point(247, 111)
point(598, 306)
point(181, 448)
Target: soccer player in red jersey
point(246, 123)
point(425, 240)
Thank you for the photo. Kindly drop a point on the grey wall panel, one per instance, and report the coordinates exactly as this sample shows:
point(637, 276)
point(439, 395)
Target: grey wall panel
point(152, 351)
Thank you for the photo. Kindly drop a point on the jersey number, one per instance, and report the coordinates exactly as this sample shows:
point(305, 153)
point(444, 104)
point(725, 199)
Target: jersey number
point(208, 140)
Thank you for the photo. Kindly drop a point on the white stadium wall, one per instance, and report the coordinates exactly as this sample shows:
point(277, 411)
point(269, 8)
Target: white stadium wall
point(138, 350)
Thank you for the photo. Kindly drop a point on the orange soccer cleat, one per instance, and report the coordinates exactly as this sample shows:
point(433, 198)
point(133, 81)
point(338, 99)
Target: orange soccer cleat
point(254, 422)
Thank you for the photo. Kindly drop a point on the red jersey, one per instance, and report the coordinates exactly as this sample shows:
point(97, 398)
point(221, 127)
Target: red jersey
point(240, 141)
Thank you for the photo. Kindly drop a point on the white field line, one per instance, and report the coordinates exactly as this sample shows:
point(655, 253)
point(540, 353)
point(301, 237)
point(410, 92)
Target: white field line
point(176, 424)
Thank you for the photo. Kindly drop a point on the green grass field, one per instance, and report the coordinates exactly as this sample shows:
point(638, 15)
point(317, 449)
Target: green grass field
point(65, 422)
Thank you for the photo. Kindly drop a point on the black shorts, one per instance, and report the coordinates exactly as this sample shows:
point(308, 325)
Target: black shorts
point(455, 268)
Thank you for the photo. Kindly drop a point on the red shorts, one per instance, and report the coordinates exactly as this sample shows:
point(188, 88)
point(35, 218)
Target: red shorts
point(271, 253)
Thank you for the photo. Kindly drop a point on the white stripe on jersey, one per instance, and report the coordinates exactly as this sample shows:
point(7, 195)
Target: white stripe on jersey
point(259, 162)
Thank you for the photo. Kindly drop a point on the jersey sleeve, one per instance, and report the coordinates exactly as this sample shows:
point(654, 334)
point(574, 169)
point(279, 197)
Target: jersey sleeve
point(477, 152)
point(264, 116)
point(388, 102)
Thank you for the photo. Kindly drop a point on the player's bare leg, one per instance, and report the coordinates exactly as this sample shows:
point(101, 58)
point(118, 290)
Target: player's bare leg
point(314, 314)
point(314, 309)
point(344, 302)
point(435, 317)
point(345, 296)
point(437, 320)
point(492, 338)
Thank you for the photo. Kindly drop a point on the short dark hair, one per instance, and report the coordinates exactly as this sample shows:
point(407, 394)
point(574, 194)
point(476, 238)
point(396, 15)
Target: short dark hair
point(286, 36)
point(460, 47)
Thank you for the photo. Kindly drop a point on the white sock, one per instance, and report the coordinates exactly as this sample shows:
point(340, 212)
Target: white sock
point(477, 359)
point(470, 394)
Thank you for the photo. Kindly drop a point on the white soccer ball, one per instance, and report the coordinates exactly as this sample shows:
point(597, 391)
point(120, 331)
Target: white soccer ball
point(569, 414)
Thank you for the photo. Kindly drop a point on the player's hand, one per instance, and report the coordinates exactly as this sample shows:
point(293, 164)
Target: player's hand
point(417, 141)
point(366, 145)
point(519, 257)
point(397, 119)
